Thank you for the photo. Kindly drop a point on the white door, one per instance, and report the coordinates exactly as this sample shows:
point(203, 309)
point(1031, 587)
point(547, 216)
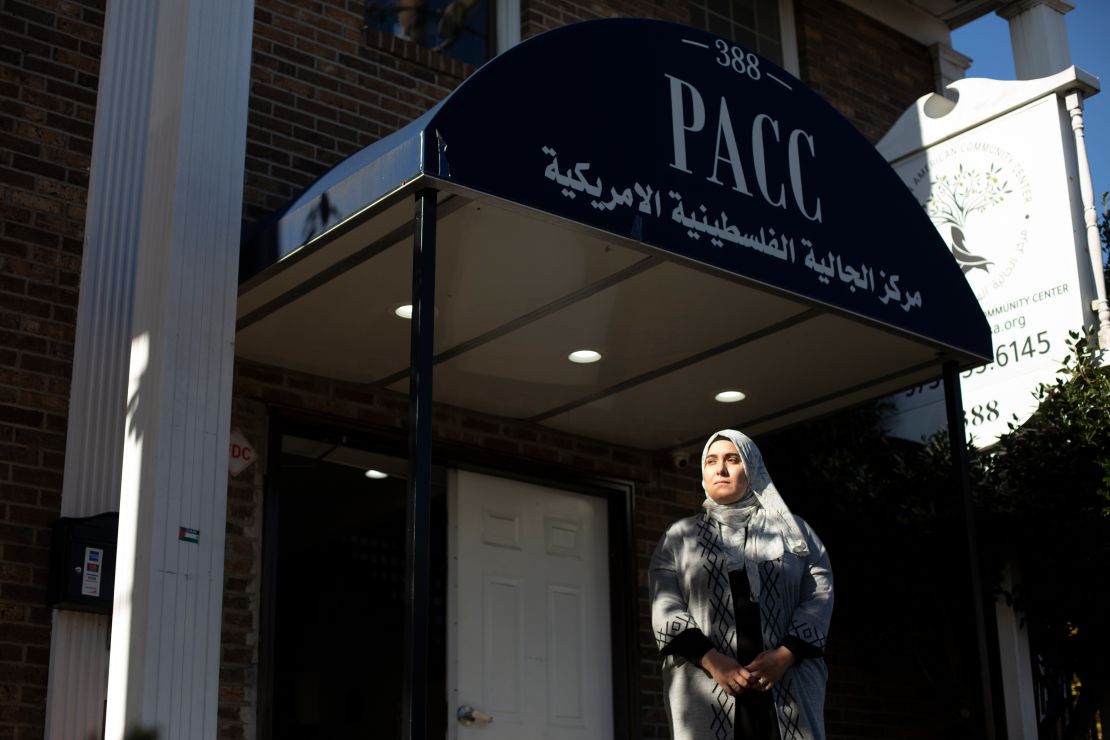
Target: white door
point(528, 638)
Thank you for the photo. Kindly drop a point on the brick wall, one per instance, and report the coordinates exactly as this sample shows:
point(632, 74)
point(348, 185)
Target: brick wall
point(869, 72)
point(323, 89)
point(543, 15)
point(49, 61)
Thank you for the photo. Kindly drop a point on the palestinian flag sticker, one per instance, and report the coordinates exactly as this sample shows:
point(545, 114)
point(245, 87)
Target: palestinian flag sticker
point(188, 535)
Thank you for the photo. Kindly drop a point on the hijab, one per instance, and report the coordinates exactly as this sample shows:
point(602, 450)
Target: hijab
point(759, 527)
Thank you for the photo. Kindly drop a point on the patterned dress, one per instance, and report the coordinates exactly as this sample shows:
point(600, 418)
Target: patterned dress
point(690, 589)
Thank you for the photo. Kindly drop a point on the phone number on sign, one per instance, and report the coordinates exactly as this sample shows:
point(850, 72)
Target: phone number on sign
point(1013, 352)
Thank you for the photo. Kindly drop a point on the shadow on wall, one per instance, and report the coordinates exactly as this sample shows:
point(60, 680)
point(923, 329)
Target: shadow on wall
point(140, 360)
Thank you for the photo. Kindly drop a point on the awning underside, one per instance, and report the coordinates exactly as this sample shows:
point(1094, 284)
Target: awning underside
point(517, 291)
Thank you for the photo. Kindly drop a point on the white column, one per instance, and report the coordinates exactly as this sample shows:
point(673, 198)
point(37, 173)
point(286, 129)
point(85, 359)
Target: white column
point(506, 24)
point(1017, 667)
point(1099, 305)
point(78, 675)
point(1038, 37)
point(164, 661)
point(163, 671)
point(790, 60)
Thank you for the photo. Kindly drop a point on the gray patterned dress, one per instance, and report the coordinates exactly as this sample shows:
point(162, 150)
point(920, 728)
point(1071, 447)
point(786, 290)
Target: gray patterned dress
point(791, 580)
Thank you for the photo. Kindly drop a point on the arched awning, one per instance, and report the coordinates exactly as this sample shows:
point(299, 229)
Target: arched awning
point(643, 187)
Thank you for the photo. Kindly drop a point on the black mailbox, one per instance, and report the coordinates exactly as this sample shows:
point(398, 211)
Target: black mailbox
point(83, 563)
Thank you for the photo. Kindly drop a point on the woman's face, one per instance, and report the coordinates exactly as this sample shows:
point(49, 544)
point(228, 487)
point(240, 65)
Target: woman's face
point(726, 480)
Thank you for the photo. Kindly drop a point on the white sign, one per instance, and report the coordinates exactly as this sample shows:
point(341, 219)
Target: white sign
point(1000, 195)
point(241, 455)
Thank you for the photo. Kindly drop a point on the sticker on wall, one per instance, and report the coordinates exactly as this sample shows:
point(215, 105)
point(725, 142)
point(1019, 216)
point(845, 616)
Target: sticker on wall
point(241, 454)
point(90, 578)
point(188, 535)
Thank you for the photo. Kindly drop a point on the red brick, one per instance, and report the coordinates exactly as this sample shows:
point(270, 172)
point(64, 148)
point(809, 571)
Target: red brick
point(39, 438)
point(37, 166)
point(26, 594)
point(50, 69)
point(29, 11)
point(17, 534)
point(33, 236)
point(19, 141)
point(18, 494)
point(22, 417)
point(17, 178)
point(33, 516)
point(15, 573)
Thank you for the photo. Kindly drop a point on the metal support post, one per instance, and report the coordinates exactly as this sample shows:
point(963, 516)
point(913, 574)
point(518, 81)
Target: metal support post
point(418, 520)
point(957, 438)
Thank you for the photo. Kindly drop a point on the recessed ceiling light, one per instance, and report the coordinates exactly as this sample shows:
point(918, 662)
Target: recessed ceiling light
point(730, 396)
point(376, 474)
point(405, 311)
point(584, 356)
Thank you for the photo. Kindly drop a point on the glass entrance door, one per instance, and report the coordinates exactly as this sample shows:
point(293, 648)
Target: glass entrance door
point(338, 621)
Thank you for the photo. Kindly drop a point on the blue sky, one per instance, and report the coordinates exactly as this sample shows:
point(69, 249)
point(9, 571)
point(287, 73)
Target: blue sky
point(987, 42)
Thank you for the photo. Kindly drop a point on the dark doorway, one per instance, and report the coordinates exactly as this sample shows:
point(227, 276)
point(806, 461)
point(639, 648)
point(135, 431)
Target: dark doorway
point(339, 597)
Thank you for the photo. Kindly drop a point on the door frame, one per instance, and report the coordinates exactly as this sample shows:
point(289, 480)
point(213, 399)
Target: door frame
point(619, 494)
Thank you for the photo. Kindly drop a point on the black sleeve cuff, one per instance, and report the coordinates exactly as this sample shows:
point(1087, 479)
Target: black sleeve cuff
point(691, 644)
point(800, 648)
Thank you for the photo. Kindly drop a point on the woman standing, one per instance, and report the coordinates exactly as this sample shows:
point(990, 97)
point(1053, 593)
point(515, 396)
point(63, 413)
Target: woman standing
point(741, 601)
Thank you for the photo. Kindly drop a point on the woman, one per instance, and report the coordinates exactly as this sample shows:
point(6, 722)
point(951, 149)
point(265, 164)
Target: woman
point(741, 600)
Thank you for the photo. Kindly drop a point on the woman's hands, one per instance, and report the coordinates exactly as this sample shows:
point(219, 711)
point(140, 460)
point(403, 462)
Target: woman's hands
point(760, 675)
point(729, 675)
point(769, 666)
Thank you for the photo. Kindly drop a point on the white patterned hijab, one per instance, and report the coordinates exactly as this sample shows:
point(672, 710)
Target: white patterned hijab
point(771, 528)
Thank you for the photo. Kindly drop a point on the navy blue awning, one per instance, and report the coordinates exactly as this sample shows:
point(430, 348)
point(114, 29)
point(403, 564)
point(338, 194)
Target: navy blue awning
point(678, 140)
point(604, 176)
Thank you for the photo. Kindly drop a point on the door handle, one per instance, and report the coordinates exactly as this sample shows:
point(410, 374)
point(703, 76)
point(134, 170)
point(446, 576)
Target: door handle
point(469, 716)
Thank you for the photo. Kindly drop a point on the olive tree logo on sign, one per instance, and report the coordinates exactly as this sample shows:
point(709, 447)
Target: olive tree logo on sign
point(978, 197)
point(956, 197)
